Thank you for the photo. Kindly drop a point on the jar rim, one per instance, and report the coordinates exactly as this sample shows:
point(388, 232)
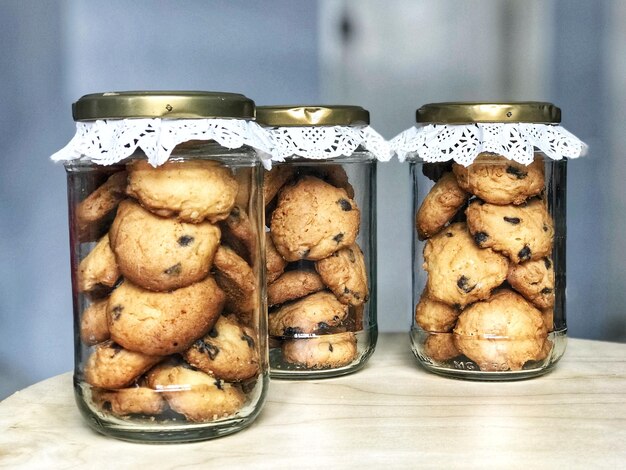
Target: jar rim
point(312, 115)
point(464, 112)
point(163, 104)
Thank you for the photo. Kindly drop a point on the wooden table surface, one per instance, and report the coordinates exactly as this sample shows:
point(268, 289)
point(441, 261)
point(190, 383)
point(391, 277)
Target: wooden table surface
point(391, 414)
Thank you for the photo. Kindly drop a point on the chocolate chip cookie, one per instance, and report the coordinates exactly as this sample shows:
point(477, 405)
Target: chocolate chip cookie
point(98, 272)
point(321, 352)
point(293, 285)
point(535, 281)
point(345, 274)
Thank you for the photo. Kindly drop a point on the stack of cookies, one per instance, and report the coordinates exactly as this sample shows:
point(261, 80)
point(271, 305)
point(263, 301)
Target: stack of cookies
point(489, 293)
point(316, 273)
point(168, 305)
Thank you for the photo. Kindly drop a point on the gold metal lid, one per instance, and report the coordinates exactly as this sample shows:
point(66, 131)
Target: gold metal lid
point(468, 112)
point(312, 115)
point(163, 104)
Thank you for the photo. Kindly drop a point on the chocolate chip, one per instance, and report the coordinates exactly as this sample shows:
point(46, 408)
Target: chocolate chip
point(305, 253)
point(207, 348)
point(547, 262)
point(345, 205)
point(330, 347)
point(512, 220)
point(449, 234)
point(185, 240)
point(213, 333)
point(116, 312)
point(519, 174)
point(480, 238)
point(174, 270)
point(248, 340)
point(546, 290)
point(524, 253)
point(338, 237)
point(462, 283)
point(291, 331)
point(346, 290)
point(323, 325)
point(218, 384)
point(545, 228)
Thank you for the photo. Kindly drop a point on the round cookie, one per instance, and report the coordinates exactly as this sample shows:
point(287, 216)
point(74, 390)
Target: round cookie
point(439, 206)
point(522, 232)
point(275, 179)
point(237, 280)
point(535, 281)
point(497, 180)
point(459, 272)
point(239, 233)
point(501, 333)
point(162, 323)
point(98, 271)
point(293, 285)
point(309, 315)
point(193, 190)
point(130, 401)
point(435, 316)
point(161, 254)
point(440, 347)
point(274, 263)
point(94, 326)
point(94, 209)
point(198, 396)
point(313, 219)
point(321, 352)
point(111, 366)
point(344, 273)
point(228, 351)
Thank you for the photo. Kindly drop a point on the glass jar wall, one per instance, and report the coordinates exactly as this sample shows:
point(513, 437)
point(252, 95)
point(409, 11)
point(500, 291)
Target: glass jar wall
point(169, 290)
point(321, 252)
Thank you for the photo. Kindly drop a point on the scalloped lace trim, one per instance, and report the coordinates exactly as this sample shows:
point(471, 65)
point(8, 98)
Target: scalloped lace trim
point(106, 142)
point(322, 143)
point(462, 143)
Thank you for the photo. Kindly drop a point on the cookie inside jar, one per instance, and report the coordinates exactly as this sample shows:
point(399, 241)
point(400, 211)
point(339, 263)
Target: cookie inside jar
point(488, 270)
point(168, 291)
point(318, 255)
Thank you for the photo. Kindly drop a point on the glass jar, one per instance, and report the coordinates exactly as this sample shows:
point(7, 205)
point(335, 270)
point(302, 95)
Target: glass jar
point(167, 267)
point(320, 242)
point(489, 239)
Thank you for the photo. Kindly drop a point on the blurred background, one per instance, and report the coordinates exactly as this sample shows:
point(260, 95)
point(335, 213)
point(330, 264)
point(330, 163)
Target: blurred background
point(388, 56)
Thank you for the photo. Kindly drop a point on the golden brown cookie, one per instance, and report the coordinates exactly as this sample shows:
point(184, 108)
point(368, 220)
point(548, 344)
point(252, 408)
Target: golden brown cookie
point(459, 272)
point(130, 401)
point(439, 206)
point(275, 179)
point(293, 285)
point(198, 396)
point(274, 263)
point(237, 280)
point(321, 352)
point(111, 366)
point(161, 254)
point(501, 333)
point(331, 173)
point(522, 232)
point(193, 190)
point(98, 271)
point(239, 233)
point(95, 208)
point(440, 347)
point(535, 281)
point(497, 180)
point(344, 273)
point(313, 219)
point(548, 319)
point(161, 323)
point(228, 351)
point(311, 314)
point(435, 316)
point(94, 326)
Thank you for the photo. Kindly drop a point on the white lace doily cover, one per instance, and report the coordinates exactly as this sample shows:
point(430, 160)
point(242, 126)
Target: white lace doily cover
point(106, 142)
point(463, 142)
point(325, 142)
